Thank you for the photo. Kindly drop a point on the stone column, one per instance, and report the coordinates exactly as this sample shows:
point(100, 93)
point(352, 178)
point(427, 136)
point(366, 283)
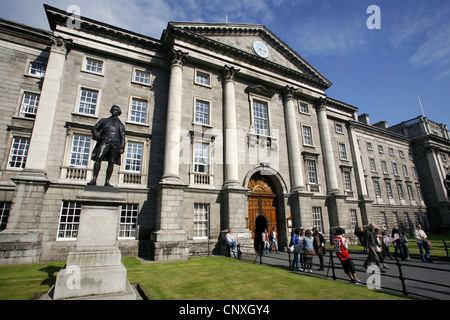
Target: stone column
point(173, 124)
point(229, 124)
point(295, 164)
point(43, 123)
point(327, 149)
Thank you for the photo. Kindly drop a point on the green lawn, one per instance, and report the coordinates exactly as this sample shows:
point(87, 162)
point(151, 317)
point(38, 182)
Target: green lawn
point(205, 278)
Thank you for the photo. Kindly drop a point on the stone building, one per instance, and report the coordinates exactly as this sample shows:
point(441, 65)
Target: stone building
point(226, 128)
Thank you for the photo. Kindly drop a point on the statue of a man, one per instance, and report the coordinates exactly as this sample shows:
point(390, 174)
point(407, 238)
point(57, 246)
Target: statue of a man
point(447, 184)
point(110, 136)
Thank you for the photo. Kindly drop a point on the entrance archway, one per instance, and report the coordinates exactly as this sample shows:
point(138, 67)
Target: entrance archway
point(262, 208)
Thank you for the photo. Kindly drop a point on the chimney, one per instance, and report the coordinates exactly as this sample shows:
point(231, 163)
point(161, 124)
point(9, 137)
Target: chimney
point(383, 124)
point(364, 118)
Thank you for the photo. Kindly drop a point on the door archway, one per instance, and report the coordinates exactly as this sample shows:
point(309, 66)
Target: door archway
point(262, 208)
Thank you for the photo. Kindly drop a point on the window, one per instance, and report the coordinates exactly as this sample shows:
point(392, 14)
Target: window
point(369, 146)
point(201, 220)
point(376, 186)
point(407, 221)
point(88, 101)
point(203, 78)
point(37, 70)
point(419, 193)
point(93, 65)
point(307, 136)
point(201, 157)
point(69, 220)
point(384, 223)
point(400, 191)
point(347, 181)
point(317, 218)
point(261, 117)
point(380, 148)
point(133, 157)
point(384, 167)
point(339, 128)
point(395, 168)
point(401, 154)
point(405, 171)
point(353, 219)
point(138, 111)
point(19, 152)
point(79, 156)
point(312, 171)
point(141, 76)
point(410, 192)
point(128, 221)
point(389, 190)
point(303, 108)
point(202, 112)
point(373, 166)
point(391, 151)
point(444, 157)
point(342, 152)
point(415, 172)
point(5, 207)
point(30, 103)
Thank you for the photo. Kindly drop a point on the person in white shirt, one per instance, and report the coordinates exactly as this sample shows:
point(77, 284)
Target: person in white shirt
point(231, 242)
point(422, 243)
point(273, 240)
point(265, 239)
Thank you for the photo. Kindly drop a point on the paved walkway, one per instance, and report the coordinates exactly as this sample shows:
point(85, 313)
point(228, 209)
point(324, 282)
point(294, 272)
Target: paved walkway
point(434, 277)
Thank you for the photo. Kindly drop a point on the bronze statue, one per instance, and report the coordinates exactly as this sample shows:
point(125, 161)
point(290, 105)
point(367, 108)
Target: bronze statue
point(447, 184)
point(110, 136)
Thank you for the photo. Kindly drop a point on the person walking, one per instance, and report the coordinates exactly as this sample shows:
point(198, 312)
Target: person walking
point(397, 245)
point(341, 250)
point(385, 243)
point(265, 239)
point(319, 246)
point(308, 248)
point(273, 240)
point(296, 244)
point(371, 248)
point(301, 235)
point(422, 243)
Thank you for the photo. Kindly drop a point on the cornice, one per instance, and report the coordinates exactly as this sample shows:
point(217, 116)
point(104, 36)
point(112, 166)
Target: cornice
point(379, 131)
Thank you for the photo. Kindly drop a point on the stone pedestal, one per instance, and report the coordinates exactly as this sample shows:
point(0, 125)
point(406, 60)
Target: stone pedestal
point(94, 269)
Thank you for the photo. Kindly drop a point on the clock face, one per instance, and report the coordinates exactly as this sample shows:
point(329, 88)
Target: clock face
point(261, 49)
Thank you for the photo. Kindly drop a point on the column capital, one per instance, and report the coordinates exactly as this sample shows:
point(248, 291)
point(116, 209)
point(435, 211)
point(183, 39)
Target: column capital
point(288, 92)
point(178, 57)
point(229, 73)
point(322, 104)
point(61, 45)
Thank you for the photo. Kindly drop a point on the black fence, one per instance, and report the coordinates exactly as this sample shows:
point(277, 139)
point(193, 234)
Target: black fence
point(407, 280)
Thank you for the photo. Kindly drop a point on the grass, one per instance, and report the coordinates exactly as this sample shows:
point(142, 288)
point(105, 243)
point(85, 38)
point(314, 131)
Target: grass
point(204, 278)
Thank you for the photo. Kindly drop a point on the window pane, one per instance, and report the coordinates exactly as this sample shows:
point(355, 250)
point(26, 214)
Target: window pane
point(80, 150)
point(134, 154)
point(69, 220)
point(88, 101)
point(30, 103)
point(201, 158)
point(94, 65)
point(261, 117)
point(19, 152)
point(138, 111)
point(128, 221)
point(202, 112)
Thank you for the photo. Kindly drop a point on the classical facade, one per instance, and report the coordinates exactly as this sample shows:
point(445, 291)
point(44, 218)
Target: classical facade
point(226, 127)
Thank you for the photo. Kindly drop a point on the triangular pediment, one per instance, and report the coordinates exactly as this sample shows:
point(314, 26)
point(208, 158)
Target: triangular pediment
point(252, 41)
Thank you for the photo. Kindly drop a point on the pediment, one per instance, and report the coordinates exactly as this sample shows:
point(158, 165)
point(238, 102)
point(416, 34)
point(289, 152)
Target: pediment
point(259, 90)
point(240, 39)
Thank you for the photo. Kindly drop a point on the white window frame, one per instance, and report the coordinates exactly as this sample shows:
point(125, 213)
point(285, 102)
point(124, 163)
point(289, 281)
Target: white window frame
point(128, 221)
point(130, 110)
point(84, 67)
point(377, 188)
point(79, 96)
point(265, 101)
point(129, 161)
point(395, 169)
point(83, 153)
point(22, 112)
point(307, 136)
point(311, 166)
point(73, 210)
point(373, 165)
point(40, 74)
point(209, 117)
point(196, 163)
point(301, 107)
point(207, 75)
point(317, 218)
point(142, 71)
point(200, 221)
point(401, 195)
point(342, 151)
point(369, 146)
point(14, 152)
point(339, 128)
point(405, 171)
point(347, 180)
point(353, 218)
point(410, 191)
point(5, 208)
point(384, 167)
point(389, 191)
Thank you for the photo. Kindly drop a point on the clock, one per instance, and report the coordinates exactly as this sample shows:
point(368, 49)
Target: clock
point(261, 49)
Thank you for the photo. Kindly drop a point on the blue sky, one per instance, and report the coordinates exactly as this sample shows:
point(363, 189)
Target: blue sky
point(380, 71)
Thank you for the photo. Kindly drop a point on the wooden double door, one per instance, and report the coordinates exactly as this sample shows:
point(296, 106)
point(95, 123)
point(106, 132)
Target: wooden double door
point(262, 208)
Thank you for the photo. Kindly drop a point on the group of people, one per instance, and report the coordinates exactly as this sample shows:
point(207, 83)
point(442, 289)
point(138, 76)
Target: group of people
point(377, 244)
point(305, 244)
